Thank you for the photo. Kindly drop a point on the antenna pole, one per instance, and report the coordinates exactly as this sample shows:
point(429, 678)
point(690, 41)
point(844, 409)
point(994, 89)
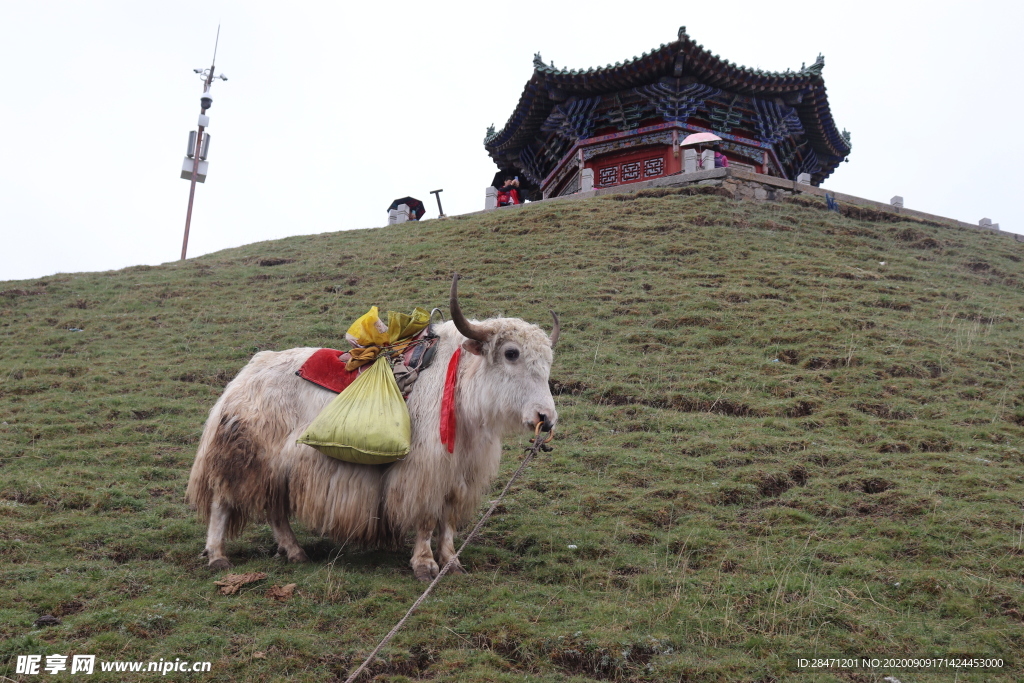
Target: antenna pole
point(215, 43)
point(208, 81)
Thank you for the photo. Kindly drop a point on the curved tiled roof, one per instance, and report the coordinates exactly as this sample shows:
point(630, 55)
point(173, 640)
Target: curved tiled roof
point(804, 88)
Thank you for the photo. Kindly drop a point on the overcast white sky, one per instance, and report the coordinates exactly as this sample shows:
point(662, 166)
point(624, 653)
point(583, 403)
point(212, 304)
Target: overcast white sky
point(334, 109)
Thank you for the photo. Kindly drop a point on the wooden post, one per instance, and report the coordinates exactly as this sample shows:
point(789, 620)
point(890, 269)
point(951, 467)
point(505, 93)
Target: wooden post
point(437, 196)
point(192, 190)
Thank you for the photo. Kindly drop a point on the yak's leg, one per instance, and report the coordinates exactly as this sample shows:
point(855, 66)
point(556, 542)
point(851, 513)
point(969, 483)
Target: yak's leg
point(220, 515)
point(287, 544)
point(423, 564)
point(446, 543)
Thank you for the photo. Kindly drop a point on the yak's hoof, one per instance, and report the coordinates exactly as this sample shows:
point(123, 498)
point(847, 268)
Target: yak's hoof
point(220, 565)
point(456, 567)
point(426, 572)
point(300, 556)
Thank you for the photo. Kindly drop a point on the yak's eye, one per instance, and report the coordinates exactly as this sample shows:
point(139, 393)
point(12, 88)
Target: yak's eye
point(512, 354)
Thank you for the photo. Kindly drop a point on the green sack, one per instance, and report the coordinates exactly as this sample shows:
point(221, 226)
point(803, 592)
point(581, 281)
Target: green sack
point(367, 423)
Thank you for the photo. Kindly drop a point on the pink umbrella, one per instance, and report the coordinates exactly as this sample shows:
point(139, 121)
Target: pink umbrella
point(699, 139)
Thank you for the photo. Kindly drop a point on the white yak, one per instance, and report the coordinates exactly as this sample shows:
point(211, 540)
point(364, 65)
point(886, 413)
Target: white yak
point(249, 465)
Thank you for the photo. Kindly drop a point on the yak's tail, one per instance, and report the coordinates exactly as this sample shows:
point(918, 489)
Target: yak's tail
point(199, 494)
point(228, 469)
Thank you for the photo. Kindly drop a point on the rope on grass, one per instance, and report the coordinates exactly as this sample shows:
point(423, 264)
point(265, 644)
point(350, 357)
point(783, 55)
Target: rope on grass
point(538, 445)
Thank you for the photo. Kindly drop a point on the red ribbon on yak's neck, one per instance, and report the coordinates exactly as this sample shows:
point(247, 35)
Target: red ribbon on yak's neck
point(448, 403)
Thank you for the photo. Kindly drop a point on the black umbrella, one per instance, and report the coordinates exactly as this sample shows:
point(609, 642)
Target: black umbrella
point(416, 209)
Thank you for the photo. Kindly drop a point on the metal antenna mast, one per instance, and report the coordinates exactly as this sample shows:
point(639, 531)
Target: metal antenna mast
point(198, 147)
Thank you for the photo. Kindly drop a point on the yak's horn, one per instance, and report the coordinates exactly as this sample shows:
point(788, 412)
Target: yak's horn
point(555, 330)
point(467, 328)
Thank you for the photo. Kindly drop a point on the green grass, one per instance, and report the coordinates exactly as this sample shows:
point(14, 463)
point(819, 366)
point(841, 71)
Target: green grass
point(770, 445)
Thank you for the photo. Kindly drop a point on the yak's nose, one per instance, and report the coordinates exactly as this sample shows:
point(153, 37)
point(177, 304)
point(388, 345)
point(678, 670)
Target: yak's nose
point(547, 419)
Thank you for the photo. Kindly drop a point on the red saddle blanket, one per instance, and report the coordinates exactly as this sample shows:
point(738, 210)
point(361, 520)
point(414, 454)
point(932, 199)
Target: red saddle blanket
point(326, 369)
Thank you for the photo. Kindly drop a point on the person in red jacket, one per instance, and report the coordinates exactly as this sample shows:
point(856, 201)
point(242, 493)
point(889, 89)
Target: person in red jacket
point(721, 161)
point(509, 192)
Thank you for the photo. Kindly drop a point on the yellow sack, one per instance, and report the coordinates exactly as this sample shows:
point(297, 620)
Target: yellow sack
point(367, 423)
point(402, 327)
point(368, 330)
point(369, 333)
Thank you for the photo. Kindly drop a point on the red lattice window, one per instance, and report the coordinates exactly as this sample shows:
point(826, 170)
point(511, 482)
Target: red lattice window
point(630, 169)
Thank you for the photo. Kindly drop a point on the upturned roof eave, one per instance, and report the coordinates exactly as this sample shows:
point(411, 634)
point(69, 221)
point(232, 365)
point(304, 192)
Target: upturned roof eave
point(824, 132)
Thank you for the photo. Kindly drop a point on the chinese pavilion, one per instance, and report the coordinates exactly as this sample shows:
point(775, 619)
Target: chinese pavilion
point(625, 122)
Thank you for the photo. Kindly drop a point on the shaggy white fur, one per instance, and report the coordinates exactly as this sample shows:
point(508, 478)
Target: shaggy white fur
point(249, 465)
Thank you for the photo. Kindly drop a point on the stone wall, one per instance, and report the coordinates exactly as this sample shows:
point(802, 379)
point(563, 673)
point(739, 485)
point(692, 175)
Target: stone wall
point(744, 185)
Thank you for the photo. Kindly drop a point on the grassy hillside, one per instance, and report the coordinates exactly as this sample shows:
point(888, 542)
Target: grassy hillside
point(784, 432)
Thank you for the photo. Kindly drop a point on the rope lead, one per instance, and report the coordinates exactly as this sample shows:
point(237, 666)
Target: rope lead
point(538, 446)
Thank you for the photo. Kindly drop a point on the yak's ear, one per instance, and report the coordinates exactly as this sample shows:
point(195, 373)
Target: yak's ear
point(474, 347)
